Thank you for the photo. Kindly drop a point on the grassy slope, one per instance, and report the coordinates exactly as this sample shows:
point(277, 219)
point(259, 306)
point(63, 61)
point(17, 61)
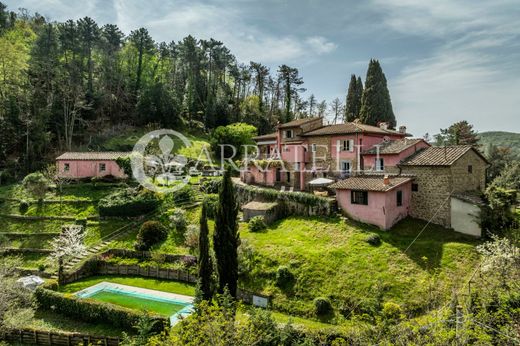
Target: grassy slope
point(502, 139)
point(332, 259)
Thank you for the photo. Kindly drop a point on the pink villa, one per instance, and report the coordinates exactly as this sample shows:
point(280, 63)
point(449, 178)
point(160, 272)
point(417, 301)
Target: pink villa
point(78, 165)
point(380, 175)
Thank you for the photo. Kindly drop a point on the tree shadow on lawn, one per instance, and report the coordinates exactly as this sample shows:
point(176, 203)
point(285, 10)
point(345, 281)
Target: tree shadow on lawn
point(427, 249)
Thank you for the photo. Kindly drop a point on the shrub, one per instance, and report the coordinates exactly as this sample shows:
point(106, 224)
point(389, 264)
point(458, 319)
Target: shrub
point(191, 237)
point(284, 277)
point(41, 267)
point(184, 195)
point(322, 306)
point(82, 222)
point(210, 186)
point(91, 310)
point(256, 224)
point(178, 219)
point(211, 204)
point(128, 202)
point(36, 184)
point(23, 207)
point(150, 233)
point(373, 239)
point(392, 311)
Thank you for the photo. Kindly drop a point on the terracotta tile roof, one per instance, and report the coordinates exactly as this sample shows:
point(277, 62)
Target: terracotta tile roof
point(266, 136)
point(370, 183)
point(439, 156)
point(93, 155)
point(297, 122)
point(340, 129)
point(473, 197)
point(394, 147)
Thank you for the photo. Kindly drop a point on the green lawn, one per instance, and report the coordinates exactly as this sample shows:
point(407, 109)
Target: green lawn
point(51, 321)
point(154, 284)
point(330, 258)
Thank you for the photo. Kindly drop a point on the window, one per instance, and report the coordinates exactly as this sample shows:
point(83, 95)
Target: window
point(347, 145)
point(399, 198)
point(345, 166)
point(289, 134)
point(66, 167)
point(380, 164)
point(470, 169)
point(313, 147)
point(268, 151)
point(102, 167)
point(415, 187)
point(288, 175)
point(359, 197)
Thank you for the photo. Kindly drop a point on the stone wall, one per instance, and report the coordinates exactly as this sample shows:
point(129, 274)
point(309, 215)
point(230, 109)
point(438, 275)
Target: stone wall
point(431, 201)
point(463, 180)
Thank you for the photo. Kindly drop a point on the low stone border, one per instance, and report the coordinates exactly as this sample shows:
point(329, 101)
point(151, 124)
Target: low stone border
point(41, 337)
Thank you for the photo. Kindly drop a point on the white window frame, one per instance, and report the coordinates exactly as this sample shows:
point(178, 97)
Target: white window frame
point(313, 147)
point(66, 167)
point(379, 164)
point(289, 132)
point(347, 145)
point(349, 162)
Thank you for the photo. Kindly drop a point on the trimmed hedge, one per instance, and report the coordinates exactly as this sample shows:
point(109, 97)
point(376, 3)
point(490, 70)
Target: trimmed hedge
point(128, 202)
point(150, 233)
point(93, 311)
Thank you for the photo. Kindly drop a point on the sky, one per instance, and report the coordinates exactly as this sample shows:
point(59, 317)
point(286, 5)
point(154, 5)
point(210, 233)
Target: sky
point(445, 61)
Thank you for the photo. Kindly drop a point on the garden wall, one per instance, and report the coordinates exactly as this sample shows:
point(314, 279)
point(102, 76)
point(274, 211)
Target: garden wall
point(291, 203)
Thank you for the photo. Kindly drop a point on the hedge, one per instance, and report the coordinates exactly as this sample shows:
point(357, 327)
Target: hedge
point(128, 202)
point(93, 311)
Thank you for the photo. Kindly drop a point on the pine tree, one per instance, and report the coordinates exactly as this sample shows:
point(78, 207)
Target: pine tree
point(376, 106)
point(205, 266)
point(353, 102)
point(226, 237)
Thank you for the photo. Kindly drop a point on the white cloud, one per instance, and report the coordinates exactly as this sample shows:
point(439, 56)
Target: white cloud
point(320, 44)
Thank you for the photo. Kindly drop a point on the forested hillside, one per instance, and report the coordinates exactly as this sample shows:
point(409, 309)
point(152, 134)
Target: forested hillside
point(501, 139)
point(62, 82)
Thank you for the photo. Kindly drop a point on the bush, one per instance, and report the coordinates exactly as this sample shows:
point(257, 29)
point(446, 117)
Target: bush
point(191, 237)
point(82, 223)
point(256, 224)
point(210, 186)
point(178, 219)
point(184, 195)
point(36, 184)
point(150, 233)
point(91, 310)
point(284, 277)
point(211, 204)
point(392, 311)
point(322, 306)
point(128, 202)
point(373, 239)
point(23, 207)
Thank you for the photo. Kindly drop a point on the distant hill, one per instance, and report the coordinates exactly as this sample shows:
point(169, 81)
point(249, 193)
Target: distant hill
point(501, 139)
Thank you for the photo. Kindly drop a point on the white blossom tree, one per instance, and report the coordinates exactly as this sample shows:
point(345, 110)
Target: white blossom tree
point(70, 243)
point(501, 257)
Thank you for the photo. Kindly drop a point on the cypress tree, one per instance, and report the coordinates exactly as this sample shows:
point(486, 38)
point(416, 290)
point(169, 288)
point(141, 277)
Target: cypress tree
point(376, 105)
point(226, 237)
point(353, 102)
point(205, 266)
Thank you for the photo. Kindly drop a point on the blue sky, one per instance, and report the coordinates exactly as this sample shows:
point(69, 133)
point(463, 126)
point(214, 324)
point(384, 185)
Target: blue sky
point(444, 60)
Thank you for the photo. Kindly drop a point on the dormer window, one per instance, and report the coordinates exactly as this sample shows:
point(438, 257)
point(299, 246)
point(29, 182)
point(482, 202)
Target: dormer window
point(380, 164)
point(289, 134)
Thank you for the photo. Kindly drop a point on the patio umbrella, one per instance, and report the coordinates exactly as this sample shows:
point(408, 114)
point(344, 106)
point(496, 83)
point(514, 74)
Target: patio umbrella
point(321, 182)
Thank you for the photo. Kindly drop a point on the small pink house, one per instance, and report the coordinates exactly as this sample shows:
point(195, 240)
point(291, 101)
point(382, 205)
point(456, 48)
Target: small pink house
point(375, 199)
point(77, 165)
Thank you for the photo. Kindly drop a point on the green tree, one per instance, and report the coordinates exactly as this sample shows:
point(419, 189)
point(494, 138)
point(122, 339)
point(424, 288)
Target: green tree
point(376, 106)
point(205, 265)
point(498, 157)
point(460, 133)
point(144, 45)
point(234, 135)
point(353, 102)
point(291, 81)
point(226, 238)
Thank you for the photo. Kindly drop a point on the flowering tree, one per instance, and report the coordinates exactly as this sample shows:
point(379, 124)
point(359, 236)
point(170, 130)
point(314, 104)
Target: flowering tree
point(69, 243)
point(502, 258)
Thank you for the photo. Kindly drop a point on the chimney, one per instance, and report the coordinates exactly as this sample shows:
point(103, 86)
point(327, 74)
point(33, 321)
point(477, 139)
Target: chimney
point(402, 129)
point(383, 126)
point(386, 180)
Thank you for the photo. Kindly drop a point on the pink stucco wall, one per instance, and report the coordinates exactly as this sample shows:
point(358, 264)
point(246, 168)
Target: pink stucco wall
point(382, 209)
point(87, 169)
point(293, 153)
point(254, 175)
point(391, 160)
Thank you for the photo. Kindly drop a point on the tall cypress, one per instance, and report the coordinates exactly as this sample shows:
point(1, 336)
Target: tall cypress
point(226, 237)
point(205, 266)
point(376, 105)
point(353, 102)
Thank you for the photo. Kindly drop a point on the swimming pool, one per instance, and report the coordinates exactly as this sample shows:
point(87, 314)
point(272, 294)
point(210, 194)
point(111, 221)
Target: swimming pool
point(167, 304)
